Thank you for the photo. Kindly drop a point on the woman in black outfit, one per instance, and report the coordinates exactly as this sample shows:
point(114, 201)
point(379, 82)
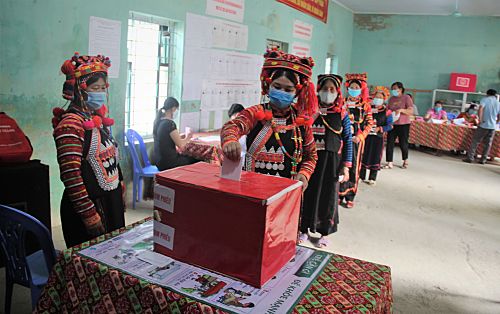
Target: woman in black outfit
point(167, 138)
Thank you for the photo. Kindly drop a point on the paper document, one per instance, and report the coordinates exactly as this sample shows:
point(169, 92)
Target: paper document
point(154, 258)
point(231, 169)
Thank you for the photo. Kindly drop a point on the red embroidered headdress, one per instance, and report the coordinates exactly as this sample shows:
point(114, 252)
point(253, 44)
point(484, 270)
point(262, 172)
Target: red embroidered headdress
point(79, 69)
point(307, 102)
point(381, 89)
point(361, 78)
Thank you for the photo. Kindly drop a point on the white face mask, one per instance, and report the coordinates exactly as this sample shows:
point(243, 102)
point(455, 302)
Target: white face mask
point(377, 101)
point(327, 97)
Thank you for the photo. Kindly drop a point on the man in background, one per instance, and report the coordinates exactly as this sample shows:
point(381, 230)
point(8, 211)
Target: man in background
point(489, 115)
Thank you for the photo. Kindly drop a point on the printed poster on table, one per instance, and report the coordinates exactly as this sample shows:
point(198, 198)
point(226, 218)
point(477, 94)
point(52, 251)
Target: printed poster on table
point(131, 252)
point(315, 8)
point(229, 9)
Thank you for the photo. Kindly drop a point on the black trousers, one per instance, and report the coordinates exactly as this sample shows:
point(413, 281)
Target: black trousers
point(402, 132)
point(486, 137)
point(372, 176)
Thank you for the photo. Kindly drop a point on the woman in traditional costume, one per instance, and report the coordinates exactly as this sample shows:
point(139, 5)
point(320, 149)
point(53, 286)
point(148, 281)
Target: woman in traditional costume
point(92, 203)
point(360, 113)
point(333, 137)
point(279, 135)
point(374, 144)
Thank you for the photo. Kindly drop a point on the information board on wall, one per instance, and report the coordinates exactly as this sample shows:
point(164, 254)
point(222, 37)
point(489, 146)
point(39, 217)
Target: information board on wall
point(216, 70)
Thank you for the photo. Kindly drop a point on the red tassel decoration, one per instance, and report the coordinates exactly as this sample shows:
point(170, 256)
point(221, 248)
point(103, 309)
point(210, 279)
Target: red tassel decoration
point(268, 115)
point(300, 120)
point(83, 85)
point(97, 121)
point(58, 111)
point(102, 111)
point(307, 103)
point(108, 121)
point(260, 115)
point(88, 125)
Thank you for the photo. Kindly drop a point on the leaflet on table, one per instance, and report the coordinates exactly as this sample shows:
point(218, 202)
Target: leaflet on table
point(127, 252)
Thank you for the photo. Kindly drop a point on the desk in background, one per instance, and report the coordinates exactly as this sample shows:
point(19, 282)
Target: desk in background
point(205, 146)
point(448, 137)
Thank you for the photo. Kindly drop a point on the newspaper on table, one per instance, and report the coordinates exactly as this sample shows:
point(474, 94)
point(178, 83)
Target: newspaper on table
point(132, 252)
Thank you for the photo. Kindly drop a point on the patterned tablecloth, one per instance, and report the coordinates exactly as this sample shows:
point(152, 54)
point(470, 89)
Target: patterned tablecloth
point(80, 285)
point(207, 151)
point(448, 137)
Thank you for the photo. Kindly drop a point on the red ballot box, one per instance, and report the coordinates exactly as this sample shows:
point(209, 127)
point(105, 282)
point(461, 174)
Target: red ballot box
point(243, 229)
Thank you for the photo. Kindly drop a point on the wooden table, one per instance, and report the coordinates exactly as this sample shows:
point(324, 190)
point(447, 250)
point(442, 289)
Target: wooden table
point(81, 285)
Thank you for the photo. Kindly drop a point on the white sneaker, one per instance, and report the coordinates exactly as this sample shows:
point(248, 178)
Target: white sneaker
point(372, 182)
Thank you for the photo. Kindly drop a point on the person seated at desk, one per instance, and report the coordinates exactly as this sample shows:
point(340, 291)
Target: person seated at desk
point(470, 115)
point(436, 113)
point(167, 138)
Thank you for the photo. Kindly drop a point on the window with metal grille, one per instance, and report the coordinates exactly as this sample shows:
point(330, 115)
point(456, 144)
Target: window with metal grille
point(149, 45)
point(280, 45)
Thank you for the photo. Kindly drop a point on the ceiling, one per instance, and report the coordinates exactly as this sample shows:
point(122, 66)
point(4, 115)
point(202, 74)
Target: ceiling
point(423, 7)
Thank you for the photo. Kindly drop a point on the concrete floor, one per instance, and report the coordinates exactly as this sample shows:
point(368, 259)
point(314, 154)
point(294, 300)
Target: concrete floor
point(436, 224)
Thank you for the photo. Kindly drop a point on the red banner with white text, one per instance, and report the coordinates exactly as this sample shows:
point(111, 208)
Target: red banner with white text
point(315, 8)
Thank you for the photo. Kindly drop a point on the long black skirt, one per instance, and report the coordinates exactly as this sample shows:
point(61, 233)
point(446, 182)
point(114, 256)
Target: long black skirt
point(372, 157)
point(110, 207)
point(320, 208)
point(349, 189)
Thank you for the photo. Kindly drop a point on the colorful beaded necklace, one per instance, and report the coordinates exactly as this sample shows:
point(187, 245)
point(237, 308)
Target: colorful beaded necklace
point(330, 127)
point(296, 157)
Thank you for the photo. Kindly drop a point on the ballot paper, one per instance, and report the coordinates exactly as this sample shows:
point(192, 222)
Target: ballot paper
point(231, 169)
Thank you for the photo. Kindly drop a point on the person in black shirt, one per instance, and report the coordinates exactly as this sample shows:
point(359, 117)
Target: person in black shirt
point(167, 138)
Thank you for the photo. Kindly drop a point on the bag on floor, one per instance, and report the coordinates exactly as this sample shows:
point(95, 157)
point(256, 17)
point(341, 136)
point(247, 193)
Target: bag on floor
point(15, 147)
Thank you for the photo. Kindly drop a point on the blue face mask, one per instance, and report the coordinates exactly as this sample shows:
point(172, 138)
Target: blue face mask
point(95, 100)
point(395, 92)
point(377, 101)
point(280, 98)
point(473, 112)
point(438, 109)
point(354, 92)
point(175, 115)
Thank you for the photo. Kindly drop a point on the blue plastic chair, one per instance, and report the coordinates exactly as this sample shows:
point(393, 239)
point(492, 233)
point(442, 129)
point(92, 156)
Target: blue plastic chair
point(29, 271)
point(140, 171)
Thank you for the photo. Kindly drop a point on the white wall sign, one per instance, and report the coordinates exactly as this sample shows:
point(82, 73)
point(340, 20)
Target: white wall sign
point(229, 9)
point(104, 39)
point(302, 30)
point(164, 198)
point(301, 49)
point(163, 235)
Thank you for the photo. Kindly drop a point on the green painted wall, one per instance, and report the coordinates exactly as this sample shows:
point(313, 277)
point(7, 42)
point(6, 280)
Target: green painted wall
point(37, 36)
point(421, 51)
